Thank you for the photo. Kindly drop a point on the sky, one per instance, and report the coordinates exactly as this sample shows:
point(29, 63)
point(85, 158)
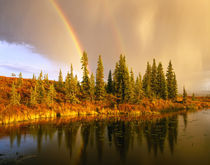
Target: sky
point(34, 35)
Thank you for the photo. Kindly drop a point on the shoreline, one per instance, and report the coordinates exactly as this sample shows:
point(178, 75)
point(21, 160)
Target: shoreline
point(150, 109)
point(89, 118)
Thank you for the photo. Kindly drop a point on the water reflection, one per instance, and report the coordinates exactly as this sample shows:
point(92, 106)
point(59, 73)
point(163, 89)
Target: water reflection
point(89, 141)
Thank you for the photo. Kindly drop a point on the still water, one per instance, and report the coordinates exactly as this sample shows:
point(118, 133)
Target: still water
point(175, 139)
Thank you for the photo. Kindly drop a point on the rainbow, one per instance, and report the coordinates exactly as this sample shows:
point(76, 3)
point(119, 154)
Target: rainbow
point(68, 26)
point(72, 34)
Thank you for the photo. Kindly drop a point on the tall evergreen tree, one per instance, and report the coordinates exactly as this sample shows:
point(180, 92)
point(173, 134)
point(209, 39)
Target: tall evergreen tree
point(174, 86)
point(92, 87)
point(116, 82)
point(110, 83)
point(193, 97)
point(67, 83)
point(184, 95)
point(51, 94)
point(85, 85)
point(15, 97)
point(126, 88)
point(147, 81)
point(60, 79)
point(139, 93)
point(78, 87)
point(73, 87)
point(67, 87)
point(161, 83)
point(171, 82)
point(131, 87)
point(33, 97)
point(34, 77)
point(40, 90)
point(100, 85)
point(154, 82)
point(46, 80)
point(121, 79)
point(20, 79)
point(40, 76)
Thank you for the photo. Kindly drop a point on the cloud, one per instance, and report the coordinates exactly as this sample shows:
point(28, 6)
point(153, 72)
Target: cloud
point(20, 68)
point(146, 29)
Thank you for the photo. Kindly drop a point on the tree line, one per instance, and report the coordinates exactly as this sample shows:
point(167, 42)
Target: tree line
point(122, 85)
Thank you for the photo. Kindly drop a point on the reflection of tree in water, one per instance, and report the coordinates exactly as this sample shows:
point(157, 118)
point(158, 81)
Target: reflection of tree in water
point(85, 133)
point(39, 138)
point(89, 132)
point(70, 132)
point(138, 128)
point(59, 135)
point(43, 132)
point(172, 132)
point(185, 119)
point(110, 130)
point(121, 135)
point(12, 138)
point(99, 135)
point(155, 134)
point(38, 132)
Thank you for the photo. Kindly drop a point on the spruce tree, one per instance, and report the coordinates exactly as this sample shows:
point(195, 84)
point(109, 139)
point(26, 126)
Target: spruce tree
point(85, 85)
point(174, 86)
point(184, 95)
point(193, 97)
point(67, 83)
point(60, 79)
point(121, 80)
point(154, 79)
point(110, 83)
point(40, 76)
point(139, 93)
point(33, 97)
point(78, 87)
point(171, 82)
point(161, 83)
point(46, 79)
point(41, 93)
point(20, 79)
point(92, 87)
point(126, 88)
point(131, 87)
point(147, 81)
point(116, 82)
point(100, 85)
point(34, 77)
point(51, 94)
point(15, 97)
point(73, 87)
point(67, 87)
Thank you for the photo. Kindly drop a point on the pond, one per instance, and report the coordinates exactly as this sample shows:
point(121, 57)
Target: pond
point(182, 138)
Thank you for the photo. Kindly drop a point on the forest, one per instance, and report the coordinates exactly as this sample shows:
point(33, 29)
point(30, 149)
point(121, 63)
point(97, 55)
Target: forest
point(122, 92)
point(121, 86)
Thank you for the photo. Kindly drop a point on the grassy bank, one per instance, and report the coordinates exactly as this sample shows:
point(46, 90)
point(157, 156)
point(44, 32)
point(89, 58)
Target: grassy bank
point(59, 106)
point(14, 114)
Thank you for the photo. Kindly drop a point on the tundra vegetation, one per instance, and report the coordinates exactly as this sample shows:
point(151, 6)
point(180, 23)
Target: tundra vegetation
point(123, 92)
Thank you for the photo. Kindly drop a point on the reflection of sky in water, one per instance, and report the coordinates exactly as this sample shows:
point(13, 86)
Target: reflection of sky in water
point(16, 58)
point(182, 139)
